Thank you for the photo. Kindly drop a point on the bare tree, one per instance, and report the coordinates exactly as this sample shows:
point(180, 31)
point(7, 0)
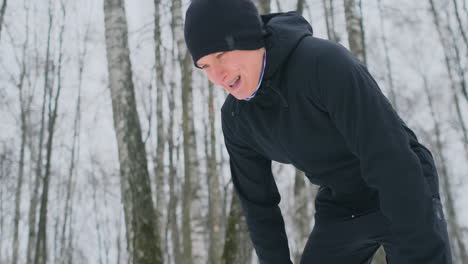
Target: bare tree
point(189, 144)
point(460, 23)
point(140, 217)
point(159, 158)
point(214, 196)
point(300, 6)
point(65, 249)
point(329, 12)
point(173, 199)
point(25, 105)
point(2, 15)
point(388, 64)
point(53, 99)
point(354, 26)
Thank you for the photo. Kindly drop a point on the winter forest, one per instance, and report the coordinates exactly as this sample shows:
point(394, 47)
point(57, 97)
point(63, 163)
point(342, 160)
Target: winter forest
point(111, 149)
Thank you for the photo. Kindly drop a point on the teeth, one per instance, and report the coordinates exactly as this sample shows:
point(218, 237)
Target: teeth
point(235, 80)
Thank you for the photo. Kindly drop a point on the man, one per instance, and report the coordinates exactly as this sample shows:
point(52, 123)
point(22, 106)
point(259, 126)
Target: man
point(305, 101)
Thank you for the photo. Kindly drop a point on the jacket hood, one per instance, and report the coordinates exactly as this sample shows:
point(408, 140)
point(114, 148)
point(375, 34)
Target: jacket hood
point(283, 32)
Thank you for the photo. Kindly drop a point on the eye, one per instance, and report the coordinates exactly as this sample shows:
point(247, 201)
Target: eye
point(204, 66)
point(220, 55)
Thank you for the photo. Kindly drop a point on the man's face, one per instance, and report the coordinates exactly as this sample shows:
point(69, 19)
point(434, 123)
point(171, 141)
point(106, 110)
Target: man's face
point(237, 71)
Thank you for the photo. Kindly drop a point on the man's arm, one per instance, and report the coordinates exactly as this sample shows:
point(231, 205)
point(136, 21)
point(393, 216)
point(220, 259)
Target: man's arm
point(259, 196)
point(375, 134)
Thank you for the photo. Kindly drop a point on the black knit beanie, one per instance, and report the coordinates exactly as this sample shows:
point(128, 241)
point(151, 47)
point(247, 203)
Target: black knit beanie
point(222, 25)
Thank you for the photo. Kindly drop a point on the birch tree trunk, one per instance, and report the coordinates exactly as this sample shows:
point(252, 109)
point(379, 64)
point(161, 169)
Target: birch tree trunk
point(354, 26)
point(214, 195)
point(191, 181)
point(173, 199)
point(140, 217)
point(237, 246)
point(159, 159)
point(388, 65)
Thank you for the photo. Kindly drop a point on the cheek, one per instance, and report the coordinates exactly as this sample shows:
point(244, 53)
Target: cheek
point(211, 77)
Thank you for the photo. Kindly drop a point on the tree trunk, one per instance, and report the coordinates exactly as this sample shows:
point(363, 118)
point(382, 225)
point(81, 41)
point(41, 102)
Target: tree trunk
point(140, 217)
point(388, 65)
point(237, 246)
point(172, 213)
point(41, 242)
point(330, 20)
point(301, 215)
point(159, 159)
point(300, 6)
point(24, 112)
point(214, 196)
point(2, 15)
point(354, 26)
point(457, 60)
point(191, 181)
point(64, 250)
point(263, 6)
point(460, 22)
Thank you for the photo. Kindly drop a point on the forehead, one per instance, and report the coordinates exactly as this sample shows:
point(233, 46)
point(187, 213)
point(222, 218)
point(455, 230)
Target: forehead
point(207, 58)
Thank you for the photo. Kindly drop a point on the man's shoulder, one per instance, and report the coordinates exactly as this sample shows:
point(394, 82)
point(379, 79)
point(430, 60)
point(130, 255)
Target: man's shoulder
point(317, 49)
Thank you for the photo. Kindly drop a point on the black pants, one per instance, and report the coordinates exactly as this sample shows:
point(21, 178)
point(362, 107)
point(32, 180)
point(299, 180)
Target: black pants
point(355, 240)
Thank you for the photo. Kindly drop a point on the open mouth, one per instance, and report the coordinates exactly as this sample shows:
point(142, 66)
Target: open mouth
point(235, 84)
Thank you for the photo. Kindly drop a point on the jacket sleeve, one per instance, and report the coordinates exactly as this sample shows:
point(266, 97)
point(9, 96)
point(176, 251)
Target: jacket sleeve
point(259, 196)
point(374, 132)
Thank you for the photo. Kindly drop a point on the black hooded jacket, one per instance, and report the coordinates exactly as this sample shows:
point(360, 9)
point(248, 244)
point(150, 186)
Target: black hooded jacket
point(319, 109)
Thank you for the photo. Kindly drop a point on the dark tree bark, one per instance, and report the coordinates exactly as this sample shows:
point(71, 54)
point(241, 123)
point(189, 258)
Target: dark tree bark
point(300, 6)
point(41, 242)
point(329, 12)
point(25, 104)
point(140, 217)
point(263, 6)
point(2, 15)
